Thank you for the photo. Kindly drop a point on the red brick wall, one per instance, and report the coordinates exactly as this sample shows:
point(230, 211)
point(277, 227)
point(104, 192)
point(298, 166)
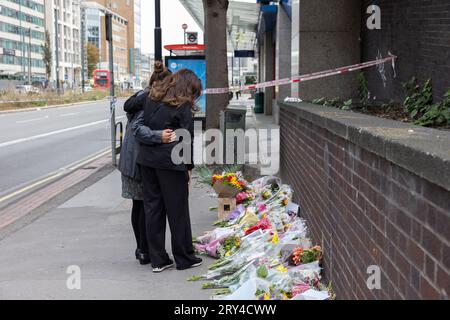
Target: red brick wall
point(365, 210)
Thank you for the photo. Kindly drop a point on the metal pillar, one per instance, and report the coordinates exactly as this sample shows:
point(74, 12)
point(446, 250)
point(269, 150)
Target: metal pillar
point(109, 38)
point(58, 89)
point(158, 36)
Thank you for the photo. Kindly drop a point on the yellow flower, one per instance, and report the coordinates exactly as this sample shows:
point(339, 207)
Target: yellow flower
point(266, 297)
point(275, 238)
point(281, 268)
point(228, 254)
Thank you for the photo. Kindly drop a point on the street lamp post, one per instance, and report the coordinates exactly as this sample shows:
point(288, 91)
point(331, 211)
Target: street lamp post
point(158, 37)
point(82, 43)
point(29, 56)
point(57, 53)
point(22, 39)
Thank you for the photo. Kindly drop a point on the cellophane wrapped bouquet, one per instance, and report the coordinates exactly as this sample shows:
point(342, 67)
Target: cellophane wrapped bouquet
point(262, 248)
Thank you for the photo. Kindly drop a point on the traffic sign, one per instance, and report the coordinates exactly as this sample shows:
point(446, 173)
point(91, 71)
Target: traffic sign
point(184, 26)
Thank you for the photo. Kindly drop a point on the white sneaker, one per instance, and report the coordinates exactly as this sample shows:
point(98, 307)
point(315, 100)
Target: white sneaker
point(162, 268)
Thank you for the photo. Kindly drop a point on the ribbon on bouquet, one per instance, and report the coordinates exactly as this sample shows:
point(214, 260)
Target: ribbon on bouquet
point(305, 77)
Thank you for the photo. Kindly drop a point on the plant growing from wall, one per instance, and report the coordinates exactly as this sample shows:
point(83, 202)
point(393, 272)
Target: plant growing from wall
point(418, 100)
point(438, 114)
point(420, 106)
point(364, 93)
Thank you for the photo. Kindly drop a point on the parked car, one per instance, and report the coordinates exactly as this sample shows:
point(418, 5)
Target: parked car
point(27, 89)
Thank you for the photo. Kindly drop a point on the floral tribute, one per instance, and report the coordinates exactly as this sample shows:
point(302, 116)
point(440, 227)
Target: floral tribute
point(231, 179)
point(261, 247)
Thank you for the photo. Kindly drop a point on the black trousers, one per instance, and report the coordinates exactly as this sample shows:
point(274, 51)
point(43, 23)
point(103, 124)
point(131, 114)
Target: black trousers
point(166, 196)
point(138, 223)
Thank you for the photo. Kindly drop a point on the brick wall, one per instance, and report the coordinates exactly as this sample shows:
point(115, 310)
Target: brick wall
point(418, 31)
point(365, 210)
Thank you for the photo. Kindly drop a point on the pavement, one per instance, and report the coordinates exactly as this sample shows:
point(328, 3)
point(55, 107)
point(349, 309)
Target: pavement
point(87, 226)
point(36, 144)
point(93, 231)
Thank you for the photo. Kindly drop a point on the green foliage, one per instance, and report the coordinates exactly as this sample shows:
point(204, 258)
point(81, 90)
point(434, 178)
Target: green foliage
point(204, 173)
point(438, 114)
point(93, 57)
point(418, 99)
point(364, 94)
point(347, 105)
point(420, 106)
point(335, 103)
point(262, 272)
point(47, 55)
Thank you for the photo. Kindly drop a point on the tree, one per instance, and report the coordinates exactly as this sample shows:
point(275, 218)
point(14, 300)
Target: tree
point(93, 57)
point(47, 55)
point(216, 57)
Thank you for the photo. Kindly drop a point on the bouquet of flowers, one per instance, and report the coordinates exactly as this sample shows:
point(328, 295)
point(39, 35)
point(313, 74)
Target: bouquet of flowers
point(300, 256)
point(228, 184)
point(263, 250)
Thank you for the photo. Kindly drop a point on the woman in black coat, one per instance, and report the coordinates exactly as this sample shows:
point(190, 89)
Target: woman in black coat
point(166, 193)
point(131, 177)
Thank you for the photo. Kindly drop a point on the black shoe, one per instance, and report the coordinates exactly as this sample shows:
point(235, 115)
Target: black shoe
point(166, 266)
point(197, 262)
point(144, 258)
point(136, 253)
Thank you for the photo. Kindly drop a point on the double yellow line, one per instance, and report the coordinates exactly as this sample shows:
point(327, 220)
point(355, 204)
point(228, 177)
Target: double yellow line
point(59, 173)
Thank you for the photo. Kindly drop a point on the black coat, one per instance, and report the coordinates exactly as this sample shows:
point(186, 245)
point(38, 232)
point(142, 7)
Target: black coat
point(130, 147)
point(161, 116)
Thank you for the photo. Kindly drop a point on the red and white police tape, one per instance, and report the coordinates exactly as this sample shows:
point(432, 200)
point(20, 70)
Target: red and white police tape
point(305, 77)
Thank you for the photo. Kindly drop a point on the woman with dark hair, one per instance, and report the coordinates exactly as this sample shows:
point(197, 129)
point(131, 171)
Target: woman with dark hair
point(131, 177)
point(166, 193)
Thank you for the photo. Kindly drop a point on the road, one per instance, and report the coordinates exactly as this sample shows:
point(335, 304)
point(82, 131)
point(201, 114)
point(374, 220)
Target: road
point(36, 144)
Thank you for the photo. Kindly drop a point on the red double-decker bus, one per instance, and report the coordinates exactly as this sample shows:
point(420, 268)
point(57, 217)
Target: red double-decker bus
point(102, 79)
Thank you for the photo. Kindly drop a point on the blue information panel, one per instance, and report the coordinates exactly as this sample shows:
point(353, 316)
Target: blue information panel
point(198, 66)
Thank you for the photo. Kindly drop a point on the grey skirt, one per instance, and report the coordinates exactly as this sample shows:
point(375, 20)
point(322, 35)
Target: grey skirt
point(131, 188)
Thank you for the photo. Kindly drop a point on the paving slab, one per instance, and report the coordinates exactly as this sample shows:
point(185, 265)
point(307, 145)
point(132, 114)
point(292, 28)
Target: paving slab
point(93, 231)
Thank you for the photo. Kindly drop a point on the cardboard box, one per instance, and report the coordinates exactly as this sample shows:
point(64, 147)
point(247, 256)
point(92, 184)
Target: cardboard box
point(225, 207)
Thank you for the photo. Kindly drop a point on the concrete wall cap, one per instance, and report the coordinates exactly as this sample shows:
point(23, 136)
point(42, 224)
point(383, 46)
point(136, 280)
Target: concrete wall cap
point(422, 151)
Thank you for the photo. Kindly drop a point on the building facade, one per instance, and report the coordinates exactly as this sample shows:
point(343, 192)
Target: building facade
point(22, 34)
point(95, 33)
point(129, 10)
point(146, 68)
point(63, 25)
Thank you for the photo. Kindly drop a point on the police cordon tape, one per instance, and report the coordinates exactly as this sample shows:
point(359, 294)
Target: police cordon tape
point(305, 77)
point(280, 82)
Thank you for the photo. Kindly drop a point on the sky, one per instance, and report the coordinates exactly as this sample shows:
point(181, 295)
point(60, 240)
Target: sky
point(173, 15)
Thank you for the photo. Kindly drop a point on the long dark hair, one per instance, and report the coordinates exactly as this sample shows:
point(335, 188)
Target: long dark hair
point(160, 72)
point(178, 88)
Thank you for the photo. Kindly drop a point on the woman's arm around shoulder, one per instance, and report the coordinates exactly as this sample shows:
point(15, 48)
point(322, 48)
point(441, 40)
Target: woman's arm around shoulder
point(143, 133)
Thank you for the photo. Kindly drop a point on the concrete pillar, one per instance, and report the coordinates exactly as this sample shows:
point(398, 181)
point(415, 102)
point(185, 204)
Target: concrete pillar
point(325, 35)
point(283, 52)
point(269, 71)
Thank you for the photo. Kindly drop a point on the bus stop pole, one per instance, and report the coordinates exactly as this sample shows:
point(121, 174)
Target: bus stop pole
point(108, 19)
point(158, 35)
